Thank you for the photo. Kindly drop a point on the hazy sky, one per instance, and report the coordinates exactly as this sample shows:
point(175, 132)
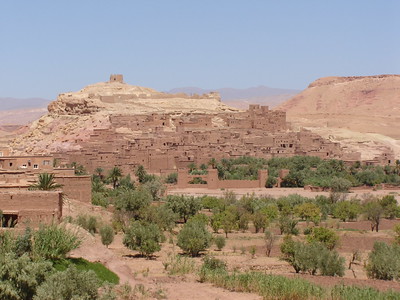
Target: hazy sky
point(50, 47)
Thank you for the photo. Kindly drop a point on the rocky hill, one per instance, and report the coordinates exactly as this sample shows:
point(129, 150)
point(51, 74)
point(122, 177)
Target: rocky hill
point(363, 113)
point(73, 116)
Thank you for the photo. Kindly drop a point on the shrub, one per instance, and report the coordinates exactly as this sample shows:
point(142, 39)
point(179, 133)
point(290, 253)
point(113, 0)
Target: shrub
point(68, 285)
point(100, 199)
point(155, 187)
point(172, 178)
point(107, 235)
point(220, 242)
point(390, 207)
point(312, 257)
point(23, 243)
point(88, 223)
point(194, 238)
point(145, 238)
point(20, 276)
point(54, 242)
point(179, 265)
point(384, 262)
point(324, 236)
point(243, 223)
point(269, 241)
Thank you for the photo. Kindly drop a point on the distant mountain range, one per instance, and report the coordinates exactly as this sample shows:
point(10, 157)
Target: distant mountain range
point(18, 103)
point(241, 98)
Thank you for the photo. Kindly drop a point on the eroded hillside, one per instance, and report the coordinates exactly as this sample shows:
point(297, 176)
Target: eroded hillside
point(362, 113)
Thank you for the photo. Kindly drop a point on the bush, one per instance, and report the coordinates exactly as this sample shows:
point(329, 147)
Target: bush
point(20, 276)
point(179, 265)
point(107, 235)
point(145, 238)
point(194, 238)
point(311, 258)
point(23, 243)
point(163, 216)
point(68, 285)
point(88, 223)
point(220, 242)
point(172, 178)
point(100, 199)
point(54, 242)
point(325, 236)
point(384, 262)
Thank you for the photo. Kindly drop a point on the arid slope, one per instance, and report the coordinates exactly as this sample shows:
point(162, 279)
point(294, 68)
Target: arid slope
point(362, 113)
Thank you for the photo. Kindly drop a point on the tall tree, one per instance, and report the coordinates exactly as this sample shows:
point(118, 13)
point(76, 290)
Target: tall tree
point(114, 175)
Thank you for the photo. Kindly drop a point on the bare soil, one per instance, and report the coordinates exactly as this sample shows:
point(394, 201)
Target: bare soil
point(133, 269)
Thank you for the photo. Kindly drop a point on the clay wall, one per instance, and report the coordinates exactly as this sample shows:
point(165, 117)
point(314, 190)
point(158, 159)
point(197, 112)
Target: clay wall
point(32, 207)
point(39, 163)
point(76, 187)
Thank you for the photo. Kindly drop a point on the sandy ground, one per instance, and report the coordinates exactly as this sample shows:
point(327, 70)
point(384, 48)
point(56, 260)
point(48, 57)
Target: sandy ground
point(133, 269)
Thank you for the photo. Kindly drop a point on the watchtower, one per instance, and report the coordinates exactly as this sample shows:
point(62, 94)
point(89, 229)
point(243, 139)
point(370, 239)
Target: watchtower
point(117, 78)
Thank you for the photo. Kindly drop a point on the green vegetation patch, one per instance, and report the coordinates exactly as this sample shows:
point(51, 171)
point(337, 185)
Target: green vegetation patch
point(103, 273)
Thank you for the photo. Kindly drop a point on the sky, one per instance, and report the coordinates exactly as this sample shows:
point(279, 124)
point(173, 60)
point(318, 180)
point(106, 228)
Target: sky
point(50, 47)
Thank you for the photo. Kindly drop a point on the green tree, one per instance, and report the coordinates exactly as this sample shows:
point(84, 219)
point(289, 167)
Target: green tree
point(212, 162)
point(260, 221)
point(325, 236)
point(194, 238)
point(390, 206)
point(373, 212)
point(347, 210)
point(107, 235)
point(133, 201)
point(184, 206)
point(228, 222)
point(145, 238)
point(141, 174)
point(309, 212)
point(114, 175)
point(99, 172)
point(156, 188)
point(45, 182)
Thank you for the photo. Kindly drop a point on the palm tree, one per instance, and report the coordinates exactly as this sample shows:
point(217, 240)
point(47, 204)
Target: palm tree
point(114, 175)
point(45, 182)
point(212, 162)
point(99, 172)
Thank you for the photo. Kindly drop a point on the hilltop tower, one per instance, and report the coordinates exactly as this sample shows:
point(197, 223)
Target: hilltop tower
point(117, 78)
